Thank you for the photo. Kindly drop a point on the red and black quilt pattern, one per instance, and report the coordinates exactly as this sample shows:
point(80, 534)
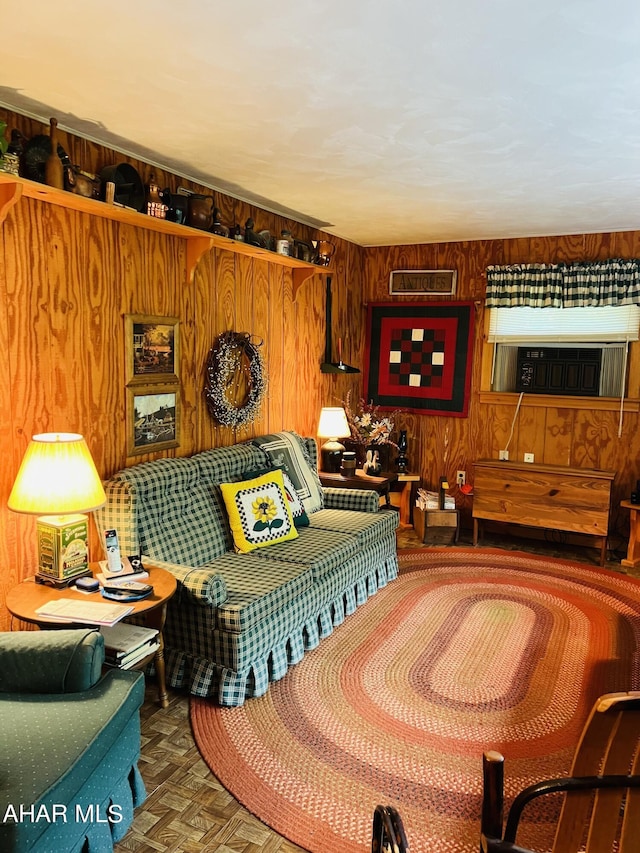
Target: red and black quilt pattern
point(419, 356)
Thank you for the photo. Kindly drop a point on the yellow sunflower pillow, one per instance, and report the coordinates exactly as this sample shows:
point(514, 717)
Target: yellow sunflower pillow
point(259, 512)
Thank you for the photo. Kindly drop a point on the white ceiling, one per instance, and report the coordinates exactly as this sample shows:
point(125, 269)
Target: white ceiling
point(390, 122)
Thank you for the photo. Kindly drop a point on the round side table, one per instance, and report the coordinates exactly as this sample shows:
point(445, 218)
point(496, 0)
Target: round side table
point(24, 600)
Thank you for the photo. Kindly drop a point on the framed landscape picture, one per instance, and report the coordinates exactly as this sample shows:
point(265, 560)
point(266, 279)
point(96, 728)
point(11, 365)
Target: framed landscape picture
point(153, 418)
point(152, 349)
point(423, 282)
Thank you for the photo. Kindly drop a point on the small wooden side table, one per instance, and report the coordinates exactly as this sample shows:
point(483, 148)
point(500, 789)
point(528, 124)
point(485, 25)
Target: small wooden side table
point(633, 549)
point(407, 481)
point(24, 600)
point(360, 480)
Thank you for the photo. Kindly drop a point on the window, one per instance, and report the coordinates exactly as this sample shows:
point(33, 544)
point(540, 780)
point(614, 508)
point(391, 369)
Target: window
point(568, 351)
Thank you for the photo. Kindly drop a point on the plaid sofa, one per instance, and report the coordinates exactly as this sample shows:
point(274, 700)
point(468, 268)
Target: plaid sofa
point(238, 621)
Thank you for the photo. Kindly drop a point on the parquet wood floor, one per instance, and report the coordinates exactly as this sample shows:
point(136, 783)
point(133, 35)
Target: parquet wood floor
point(187, 810)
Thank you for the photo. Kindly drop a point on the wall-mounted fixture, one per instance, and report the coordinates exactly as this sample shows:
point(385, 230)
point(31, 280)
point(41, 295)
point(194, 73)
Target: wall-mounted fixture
point(328, 365)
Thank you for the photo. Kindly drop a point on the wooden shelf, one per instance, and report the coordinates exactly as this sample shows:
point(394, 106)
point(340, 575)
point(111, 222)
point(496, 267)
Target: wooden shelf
point(13, 188)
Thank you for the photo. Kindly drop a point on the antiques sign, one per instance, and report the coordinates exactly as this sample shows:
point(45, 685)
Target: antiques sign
point(420, 282)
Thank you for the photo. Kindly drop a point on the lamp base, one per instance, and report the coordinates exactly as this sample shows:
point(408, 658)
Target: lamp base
point(331, 456)
point(63, 549)
point(61, 583)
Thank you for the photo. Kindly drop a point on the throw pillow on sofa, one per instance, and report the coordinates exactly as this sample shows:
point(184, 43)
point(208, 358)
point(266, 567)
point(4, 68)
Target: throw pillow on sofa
point(300, 517)
point(286, 450)
point(259, 512)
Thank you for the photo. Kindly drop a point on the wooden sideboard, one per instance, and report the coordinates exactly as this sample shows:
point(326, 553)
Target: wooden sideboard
point(554, 497)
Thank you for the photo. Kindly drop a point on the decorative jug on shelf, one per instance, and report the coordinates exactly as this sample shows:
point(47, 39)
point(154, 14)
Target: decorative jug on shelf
point(324, 252)
point(200, 213)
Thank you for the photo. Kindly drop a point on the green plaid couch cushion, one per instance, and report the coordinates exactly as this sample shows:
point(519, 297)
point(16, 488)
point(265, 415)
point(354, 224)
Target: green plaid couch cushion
point(367, 526)
point(172, 509)
point(323, 551)
point(313, 613)
point(257, 588)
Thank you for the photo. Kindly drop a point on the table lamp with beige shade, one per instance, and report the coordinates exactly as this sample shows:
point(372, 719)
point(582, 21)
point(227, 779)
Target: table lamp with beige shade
point(332, 426)
point(58, 482)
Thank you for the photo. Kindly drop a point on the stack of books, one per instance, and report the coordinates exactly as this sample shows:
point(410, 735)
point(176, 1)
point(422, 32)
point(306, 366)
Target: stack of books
point(431, 500)
point(126, 645)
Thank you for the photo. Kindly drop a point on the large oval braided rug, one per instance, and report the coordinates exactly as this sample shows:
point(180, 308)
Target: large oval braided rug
point(467, 650)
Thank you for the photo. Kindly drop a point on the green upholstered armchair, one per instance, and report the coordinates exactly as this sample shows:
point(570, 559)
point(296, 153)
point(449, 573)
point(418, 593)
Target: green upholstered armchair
point(69, 743)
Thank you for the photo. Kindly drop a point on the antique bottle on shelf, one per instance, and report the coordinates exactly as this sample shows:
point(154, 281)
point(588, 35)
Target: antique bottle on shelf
point(250, 235)
point(284, 245)
point(53, 171)
point(236, 233)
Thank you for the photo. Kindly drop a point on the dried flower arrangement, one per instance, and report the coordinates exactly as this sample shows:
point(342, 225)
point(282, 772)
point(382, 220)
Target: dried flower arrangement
point(367, 425)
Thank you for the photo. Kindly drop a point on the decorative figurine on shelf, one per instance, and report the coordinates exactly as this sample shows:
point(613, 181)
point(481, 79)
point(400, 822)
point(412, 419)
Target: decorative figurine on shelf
point(11, 161)
point(250, 235)
point(53, 170)
point(217, 227)
point(81, 183)
point(402, 461)
point(372, 463)
point(4, 144)
point(155, 204)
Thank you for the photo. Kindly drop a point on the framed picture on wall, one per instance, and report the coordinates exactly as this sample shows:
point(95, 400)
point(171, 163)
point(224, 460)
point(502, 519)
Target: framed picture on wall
point(152, 349)
point(153, 418)
point(423, 282)
point(419, 356)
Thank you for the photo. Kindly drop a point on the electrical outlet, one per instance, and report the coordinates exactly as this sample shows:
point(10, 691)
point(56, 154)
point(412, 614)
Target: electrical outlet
point(461, 478)
point(504, 455)
point(528, 457)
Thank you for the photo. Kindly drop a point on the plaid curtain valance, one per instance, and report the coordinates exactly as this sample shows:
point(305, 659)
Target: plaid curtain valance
point(580, 285)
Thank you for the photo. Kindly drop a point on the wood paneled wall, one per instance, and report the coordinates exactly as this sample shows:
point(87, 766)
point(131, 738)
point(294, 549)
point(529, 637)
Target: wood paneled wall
point(580, 435)
point(68, 279)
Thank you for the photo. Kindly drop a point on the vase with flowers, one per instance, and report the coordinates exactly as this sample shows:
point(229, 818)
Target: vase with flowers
point(370, 430)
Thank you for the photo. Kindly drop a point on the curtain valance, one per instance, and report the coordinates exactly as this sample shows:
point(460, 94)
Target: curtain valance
point(580, 285)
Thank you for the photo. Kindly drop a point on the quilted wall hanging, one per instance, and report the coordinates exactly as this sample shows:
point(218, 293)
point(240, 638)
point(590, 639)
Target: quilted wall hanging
point(418, 356)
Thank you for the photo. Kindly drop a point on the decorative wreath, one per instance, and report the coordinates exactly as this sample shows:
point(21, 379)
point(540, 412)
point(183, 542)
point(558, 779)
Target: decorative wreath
point(234, 359)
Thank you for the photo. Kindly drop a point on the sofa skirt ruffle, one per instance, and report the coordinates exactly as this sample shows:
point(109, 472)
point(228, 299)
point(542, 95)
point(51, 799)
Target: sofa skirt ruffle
point(204, 678)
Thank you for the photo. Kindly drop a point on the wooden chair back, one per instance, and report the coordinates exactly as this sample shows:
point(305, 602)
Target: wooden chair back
point(609, 746)
point(607, 762)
